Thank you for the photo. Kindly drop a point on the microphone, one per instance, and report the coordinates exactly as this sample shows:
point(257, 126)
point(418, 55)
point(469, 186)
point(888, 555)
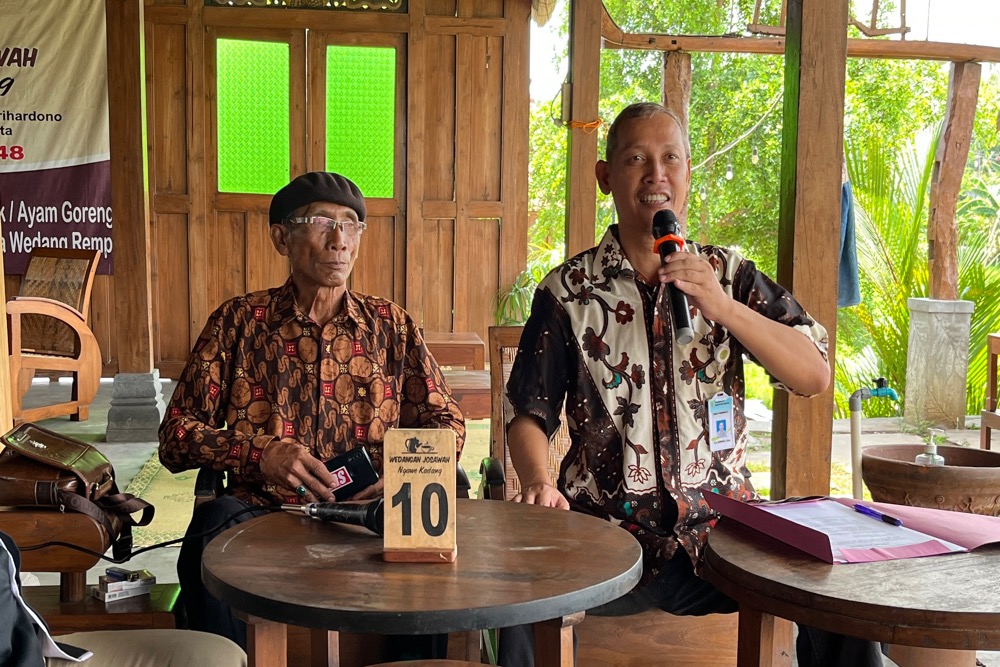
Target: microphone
point(668, 240)
point(371, 515)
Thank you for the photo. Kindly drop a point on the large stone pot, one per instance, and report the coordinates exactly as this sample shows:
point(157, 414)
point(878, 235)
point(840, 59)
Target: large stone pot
point(969, 481)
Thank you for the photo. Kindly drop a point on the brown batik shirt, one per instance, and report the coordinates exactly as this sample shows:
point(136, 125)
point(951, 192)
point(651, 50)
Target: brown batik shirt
point(262, 371)
point(636, 402)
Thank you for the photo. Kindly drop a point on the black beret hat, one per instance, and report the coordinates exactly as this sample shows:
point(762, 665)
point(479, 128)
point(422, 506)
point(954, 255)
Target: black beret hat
point(313, 187)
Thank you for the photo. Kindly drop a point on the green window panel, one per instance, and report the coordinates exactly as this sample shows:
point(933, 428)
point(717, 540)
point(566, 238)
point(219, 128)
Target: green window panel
point(253, 113)
point(361, 116)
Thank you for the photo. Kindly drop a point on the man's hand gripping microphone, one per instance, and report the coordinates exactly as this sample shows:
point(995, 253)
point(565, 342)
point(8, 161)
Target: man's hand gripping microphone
point(666, 231)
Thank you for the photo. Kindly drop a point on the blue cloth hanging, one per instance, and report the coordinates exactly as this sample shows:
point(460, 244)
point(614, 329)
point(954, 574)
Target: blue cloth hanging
point(848, 287)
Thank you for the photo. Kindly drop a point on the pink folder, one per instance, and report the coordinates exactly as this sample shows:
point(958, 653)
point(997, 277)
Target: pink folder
point(936, 531)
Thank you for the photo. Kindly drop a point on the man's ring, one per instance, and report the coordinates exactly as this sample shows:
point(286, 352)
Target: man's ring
point(301, 490)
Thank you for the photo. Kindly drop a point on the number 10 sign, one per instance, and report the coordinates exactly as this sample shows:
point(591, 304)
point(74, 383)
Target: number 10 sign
point(419, 470)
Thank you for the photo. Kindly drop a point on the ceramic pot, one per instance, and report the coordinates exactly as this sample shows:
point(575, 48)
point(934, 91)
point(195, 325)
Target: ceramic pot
point(969, 481)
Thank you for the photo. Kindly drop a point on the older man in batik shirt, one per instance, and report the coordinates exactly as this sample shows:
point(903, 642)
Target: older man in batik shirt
point(284, 379)
point(653, 422)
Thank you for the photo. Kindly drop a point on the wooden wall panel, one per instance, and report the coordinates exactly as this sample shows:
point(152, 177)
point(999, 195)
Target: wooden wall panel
point(168, 110)
point(439, 146)
point(226, 248)
point(438, 269)
point(266, 267)
point(479, 267)
point(488, 9)
point(485, 72)
point(374, 270)
point(171, 284)
point(441, 7)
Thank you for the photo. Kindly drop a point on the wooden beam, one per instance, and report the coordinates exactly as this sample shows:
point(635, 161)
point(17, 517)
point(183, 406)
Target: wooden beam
point(677, 84)
point(129, 182)
point(856, 48)
point(312, 19)
point(949, 168)
point(809, 227)
point(584, 72)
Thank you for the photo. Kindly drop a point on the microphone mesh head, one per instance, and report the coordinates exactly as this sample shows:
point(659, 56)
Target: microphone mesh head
point(665, 222)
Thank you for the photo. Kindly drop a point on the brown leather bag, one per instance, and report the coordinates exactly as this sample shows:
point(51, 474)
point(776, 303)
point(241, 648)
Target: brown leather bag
point(42, 468)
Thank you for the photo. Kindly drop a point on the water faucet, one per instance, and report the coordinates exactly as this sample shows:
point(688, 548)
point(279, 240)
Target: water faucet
point(881, 390)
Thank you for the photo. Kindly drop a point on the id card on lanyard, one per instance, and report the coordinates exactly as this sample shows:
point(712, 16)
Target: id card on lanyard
point(720, 422)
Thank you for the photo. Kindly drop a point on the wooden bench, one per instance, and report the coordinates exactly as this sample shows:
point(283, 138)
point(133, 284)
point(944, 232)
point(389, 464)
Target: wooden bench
point(155, 610)
point(457, 349)
point(68, 607)
point(471, 389)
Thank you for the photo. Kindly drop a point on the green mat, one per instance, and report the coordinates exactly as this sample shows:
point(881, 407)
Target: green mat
point(171, 495)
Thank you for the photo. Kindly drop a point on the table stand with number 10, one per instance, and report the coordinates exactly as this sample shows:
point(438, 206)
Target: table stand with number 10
point(419, 469)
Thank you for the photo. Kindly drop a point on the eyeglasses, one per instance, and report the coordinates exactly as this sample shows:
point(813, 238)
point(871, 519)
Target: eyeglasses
point(324, 225)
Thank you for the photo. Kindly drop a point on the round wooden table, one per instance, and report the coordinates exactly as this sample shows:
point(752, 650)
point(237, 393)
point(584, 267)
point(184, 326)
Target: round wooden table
point(516, 564)
point(941, 602)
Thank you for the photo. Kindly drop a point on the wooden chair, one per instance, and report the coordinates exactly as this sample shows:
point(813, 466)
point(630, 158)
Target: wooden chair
point(646, 639)
point(990, 417)
point(48, 330)
point(69, 607)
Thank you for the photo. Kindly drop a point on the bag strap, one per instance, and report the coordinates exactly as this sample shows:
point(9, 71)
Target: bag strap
point(115, 505)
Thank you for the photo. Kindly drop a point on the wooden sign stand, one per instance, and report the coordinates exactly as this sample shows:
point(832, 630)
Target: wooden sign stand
point(420, 514)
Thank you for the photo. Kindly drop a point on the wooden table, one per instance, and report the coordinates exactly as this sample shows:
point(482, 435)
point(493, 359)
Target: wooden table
point(457, 349)
point(939, 602)
point(516, 564)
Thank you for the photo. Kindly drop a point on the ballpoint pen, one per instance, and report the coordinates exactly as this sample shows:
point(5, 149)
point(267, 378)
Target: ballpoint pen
point(875, 514)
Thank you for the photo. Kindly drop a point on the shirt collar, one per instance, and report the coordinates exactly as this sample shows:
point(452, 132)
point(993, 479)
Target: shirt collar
point(610, 259)
point(286, 309)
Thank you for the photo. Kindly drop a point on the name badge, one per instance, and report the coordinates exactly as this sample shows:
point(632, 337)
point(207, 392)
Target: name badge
point(720, 422)
point(419, 466)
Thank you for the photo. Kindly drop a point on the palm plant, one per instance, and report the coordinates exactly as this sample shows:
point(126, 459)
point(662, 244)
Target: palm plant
point(891, 196)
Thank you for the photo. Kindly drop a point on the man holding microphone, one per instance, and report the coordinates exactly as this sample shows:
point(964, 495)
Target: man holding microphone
point(644, 401)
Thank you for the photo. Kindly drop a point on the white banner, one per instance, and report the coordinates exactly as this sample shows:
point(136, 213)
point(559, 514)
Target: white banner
point(55, 184)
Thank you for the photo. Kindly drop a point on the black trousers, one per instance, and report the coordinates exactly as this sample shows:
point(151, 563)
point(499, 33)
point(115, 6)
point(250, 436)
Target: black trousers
point(208, 614)
point(678, 590)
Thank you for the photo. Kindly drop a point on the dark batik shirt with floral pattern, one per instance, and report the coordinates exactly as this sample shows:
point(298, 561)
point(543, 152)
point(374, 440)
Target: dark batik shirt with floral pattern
point(263, 370)
point(636, 402)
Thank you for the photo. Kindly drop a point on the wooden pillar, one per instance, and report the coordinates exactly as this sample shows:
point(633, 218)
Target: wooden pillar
point(677, 84)
point(809, 226)
point(949, 168)
point(514, 128)
point(6, 386)
point(808, 240)
point(416, 82)
point(585, 74)
point(129, 183)
point(137, 395)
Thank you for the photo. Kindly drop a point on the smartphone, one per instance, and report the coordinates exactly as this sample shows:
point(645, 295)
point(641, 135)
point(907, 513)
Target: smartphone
point(351, 472)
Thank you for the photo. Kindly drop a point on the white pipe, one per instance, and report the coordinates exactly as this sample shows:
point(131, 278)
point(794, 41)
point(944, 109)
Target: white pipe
point(856, 453)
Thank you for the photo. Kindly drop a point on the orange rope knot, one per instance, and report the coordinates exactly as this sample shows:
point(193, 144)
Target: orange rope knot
point(586, 127)
point(669, 237)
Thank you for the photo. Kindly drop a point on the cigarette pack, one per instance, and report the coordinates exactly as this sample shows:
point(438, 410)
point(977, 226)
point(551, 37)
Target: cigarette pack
point(109, 596)
point(121, 574)
point(109, 585)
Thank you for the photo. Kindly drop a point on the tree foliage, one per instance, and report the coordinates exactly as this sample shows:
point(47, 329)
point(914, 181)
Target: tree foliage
point(892, 189)
point(889, 102)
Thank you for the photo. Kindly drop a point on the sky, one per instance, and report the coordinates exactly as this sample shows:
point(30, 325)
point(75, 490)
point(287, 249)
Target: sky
point(961, 21)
